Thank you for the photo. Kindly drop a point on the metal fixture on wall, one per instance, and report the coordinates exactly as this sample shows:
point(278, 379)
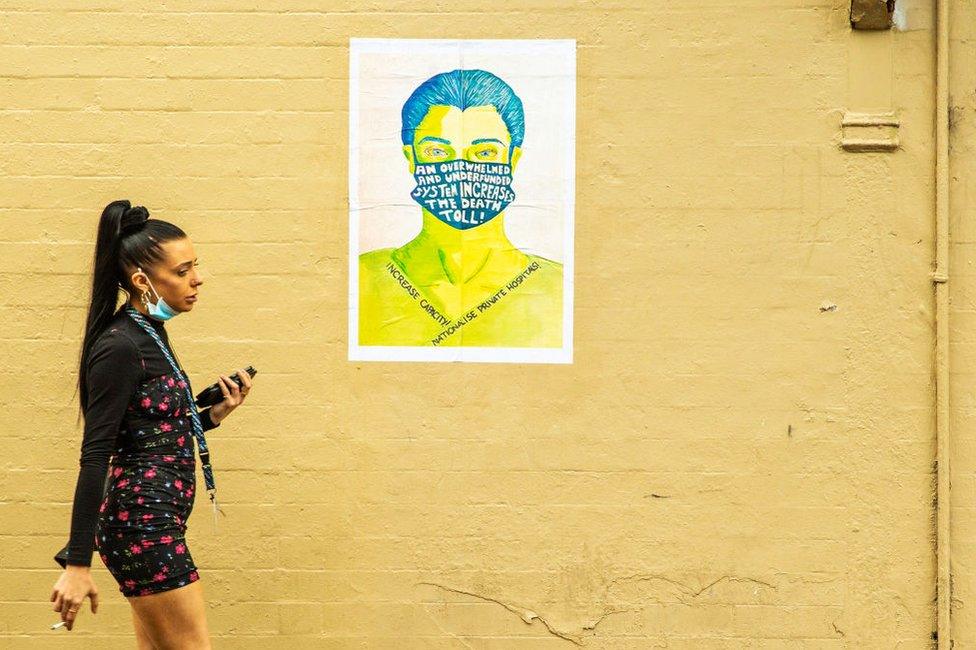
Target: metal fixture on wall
point(872, 14)
point(870, 131)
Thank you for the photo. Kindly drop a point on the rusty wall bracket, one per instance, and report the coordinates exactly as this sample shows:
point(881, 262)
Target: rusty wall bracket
point(872, 14)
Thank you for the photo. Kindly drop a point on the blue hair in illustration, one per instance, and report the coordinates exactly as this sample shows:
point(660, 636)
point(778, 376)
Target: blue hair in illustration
point(462, 89)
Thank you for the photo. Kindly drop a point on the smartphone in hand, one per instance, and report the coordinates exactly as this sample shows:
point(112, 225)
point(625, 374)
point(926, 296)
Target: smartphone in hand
point(212, 393)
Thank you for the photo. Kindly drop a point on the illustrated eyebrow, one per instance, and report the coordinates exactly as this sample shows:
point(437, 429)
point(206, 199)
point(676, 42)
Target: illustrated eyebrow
point(480, 140)
point(187, 262)
point(434, 138)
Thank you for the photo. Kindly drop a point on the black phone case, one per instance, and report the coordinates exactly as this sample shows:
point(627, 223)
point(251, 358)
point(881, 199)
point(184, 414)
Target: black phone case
point(211, 394)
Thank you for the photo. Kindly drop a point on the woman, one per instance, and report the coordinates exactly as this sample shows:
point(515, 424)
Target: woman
point(139, 410)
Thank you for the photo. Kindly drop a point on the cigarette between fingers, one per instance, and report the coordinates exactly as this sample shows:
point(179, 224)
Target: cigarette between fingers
point(57, 625)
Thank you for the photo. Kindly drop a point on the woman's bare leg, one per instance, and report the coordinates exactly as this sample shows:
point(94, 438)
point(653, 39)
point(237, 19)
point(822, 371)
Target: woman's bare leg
point(174, 619)
point(143, 642)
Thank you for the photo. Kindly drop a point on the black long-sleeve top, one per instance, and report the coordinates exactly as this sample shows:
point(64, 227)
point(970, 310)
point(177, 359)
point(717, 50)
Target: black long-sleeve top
point(122, 357)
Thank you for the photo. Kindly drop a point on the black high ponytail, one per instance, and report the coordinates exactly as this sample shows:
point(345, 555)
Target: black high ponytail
point(127, 238)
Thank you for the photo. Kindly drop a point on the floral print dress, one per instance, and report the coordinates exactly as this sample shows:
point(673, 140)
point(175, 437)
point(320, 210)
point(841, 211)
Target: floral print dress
point(142, 519)
point(141, 522)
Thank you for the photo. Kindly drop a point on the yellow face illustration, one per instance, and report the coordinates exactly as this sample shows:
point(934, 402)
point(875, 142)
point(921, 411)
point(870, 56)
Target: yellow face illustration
point(477, 134)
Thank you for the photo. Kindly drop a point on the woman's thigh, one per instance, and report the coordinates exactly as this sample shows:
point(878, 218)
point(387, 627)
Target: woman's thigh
point(143, 642)
point(174, 619)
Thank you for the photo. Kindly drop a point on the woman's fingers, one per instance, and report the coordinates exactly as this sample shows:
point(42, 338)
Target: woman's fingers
point(234, 388)
point(69, 612)
point(235, 391)
point(57, 597)
point(94, 601)
point(223, 387)
point(246, 378)
point(233, 394)
point(229, 385)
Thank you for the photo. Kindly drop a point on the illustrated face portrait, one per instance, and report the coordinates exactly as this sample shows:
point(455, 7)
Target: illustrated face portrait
point(476, 134)
point(462, 133)
point(470, 267)
point(462, 161)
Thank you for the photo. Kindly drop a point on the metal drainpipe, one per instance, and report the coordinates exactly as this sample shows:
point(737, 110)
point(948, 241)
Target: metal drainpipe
point(940, 277)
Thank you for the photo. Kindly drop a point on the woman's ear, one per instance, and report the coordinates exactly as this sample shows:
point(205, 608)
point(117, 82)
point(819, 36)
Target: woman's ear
point(140, 285)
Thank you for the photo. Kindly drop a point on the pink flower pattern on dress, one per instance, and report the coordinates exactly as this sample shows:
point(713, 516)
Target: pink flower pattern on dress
point(142, 520)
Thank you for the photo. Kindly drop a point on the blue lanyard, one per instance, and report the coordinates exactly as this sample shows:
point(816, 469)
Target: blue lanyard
point(194, 415)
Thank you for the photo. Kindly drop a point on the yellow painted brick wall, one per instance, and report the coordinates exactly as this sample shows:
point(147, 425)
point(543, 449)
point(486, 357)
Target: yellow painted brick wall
point(727, 463)
point(962, 318)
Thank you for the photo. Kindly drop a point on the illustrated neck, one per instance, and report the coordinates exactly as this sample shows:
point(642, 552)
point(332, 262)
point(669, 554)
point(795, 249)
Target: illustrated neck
point(461, 253)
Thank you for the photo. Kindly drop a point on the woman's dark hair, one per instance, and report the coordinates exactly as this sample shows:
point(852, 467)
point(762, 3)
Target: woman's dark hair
point(127, 238)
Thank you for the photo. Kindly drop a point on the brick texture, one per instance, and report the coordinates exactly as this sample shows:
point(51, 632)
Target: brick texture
point(724, 465)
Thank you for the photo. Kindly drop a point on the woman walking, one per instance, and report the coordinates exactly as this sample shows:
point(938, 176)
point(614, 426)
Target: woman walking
point(139, 412)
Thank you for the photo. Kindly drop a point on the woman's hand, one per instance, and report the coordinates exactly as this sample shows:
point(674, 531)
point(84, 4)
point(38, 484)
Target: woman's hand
point(233, 395)
point(70, 590)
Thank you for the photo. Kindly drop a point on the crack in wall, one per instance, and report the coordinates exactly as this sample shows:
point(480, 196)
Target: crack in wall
point(529, 616)
point(837, 629)
point(592, 626)
point(687, 590)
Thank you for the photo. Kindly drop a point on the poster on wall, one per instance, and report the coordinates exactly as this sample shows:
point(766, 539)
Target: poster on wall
point(461, 199)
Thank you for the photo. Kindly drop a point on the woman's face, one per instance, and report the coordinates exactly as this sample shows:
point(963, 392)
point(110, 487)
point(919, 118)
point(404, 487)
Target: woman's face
point(175, 277)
